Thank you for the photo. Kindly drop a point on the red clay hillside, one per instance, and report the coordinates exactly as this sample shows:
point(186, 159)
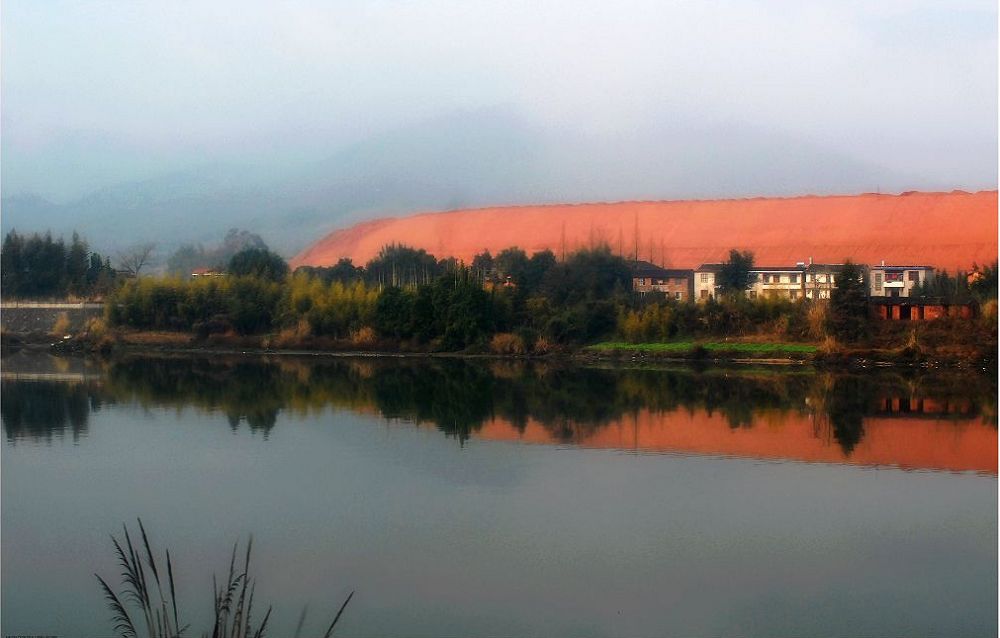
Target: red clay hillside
point(944, 230)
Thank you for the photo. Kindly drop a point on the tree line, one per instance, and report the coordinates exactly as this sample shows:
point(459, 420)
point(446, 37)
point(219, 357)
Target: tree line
point(405, 297)
point(459, 396)
point(38, 266)
point(511, 302)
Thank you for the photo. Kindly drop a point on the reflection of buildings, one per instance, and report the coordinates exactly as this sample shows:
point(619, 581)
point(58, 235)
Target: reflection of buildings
point(919, 407)
point(923, 442)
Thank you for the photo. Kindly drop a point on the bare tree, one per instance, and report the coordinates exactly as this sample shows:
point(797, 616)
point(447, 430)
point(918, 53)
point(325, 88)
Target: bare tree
point(132, 259)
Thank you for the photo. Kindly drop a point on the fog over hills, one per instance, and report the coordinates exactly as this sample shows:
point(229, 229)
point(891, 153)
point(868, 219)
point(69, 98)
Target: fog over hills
point(469, 158)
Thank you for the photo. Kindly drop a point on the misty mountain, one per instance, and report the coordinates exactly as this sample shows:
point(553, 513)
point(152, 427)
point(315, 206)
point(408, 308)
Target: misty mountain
point(466, 159)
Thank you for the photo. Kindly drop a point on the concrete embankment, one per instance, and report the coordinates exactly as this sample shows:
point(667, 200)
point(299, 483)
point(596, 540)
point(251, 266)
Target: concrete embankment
point(25, 317)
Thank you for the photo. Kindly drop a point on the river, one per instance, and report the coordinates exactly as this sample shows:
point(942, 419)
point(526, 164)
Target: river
point(497, 498)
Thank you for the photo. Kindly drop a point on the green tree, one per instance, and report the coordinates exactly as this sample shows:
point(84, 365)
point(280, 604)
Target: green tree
point(77, 263)
point(589, 274)
point(258, 262)
point(394, 313)
point(538, 266)
point(984, 282)
point(186, 259)
point(482, 266)
point(848, 316)
point(513, 263)
point(12, 264)
point(398, 265)
point(734, 278)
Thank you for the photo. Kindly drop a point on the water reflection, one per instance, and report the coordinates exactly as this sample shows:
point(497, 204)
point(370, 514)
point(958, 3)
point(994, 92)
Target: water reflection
point(913, 419)
point(42, 410)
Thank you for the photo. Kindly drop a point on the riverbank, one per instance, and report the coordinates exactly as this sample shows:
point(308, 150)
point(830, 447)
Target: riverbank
point(738, 351)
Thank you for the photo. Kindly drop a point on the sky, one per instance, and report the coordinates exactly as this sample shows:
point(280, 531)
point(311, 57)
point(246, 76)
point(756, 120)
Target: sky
point(97, 93)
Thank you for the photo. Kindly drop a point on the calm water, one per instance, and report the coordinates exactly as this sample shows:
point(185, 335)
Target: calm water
point(492, 498)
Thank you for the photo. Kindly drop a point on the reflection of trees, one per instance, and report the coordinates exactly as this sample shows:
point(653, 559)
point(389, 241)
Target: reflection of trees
point(454, 396)
point(849, 399)
point(459, 396)
point(43, 409)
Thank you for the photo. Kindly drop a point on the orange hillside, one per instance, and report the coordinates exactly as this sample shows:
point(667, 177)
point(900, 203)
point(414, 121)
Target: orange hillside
point(910, 443)
point(944, 230)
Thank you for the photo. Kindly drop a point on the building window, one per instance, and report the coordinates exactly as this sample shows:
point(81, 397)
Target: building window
point(878, 280)
point(677, 296)
point(793, 293)
point(913, 275)
point(642, 281)
point(704, 278)
point(795, 279)
point(704, 294)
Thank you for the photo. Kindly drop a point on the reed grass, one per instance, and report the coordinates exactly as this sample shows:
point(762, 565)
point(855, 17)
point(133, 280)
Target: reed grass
point(153, 601)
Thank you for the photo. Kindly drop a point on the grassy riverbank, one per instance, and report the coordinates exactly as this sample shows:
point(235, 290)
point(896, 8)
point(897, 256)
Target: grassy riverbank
point(694, 347)
point(913, 353)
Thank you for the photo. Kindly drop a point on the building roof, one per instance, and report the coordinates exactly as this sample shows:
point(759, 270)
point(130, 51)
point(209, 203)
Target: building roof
point(647, 269)
point(718, 267)
point(795, 268)
point(896, 267)
point(827, 267)
point(709, 268)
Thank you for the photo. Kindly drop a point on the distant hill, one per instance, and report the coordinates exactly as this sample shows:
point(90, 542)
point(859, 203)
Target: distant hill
point(466, 159)
point(945, 230)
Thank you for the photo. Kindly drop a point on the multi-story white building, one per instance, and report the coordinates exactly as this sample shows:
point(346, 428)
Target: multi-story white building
point(821, 280)
point(705, 284)
point(766, 281)
point(897, 281)
point(812, 281)
point(777, 282)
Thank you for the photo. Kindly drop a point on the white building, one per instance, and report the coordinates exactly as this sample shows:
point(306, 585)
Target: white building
point(897, 281)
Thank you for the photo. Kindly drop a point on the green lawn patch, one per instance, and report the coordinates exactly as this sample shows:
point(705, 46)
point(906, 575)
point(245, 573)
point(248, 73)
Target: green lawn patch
point(680, 347)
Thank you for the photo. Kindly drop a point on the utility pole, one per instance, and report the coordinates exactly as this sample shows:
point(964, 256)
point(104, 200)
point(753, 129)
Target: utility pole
point(562, 251)
point(636, 236)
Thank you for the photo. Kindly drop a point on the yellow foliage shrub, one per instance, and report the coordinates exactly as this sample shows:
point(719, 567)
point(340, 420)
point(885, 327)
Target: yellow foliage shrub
point(364, 337)
point(507, 343)
point(95, 327)
point(541, 346)
point(61, 326)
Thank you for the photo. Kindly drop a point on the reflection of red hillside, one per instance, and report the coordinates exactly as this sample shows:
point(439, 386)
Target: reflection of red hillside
point(946, 230)
point(923, 443)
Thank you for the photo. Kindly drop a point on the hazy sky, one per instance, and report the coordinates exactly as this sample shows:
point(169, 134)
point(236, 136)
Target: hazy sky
point(99, 92)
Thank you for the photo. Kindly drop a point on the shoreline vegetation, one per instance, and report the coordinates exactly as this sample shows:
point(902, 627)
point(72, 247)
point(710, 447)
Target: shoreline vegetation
point(581, 305)
point(734, 351)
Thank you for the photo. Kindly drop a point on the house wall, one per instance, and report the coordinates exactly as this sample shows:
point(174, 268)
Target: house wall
point(678, 288)
point(880, 284)
point(704, 285)
point(819, 285)
point(783, 285)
